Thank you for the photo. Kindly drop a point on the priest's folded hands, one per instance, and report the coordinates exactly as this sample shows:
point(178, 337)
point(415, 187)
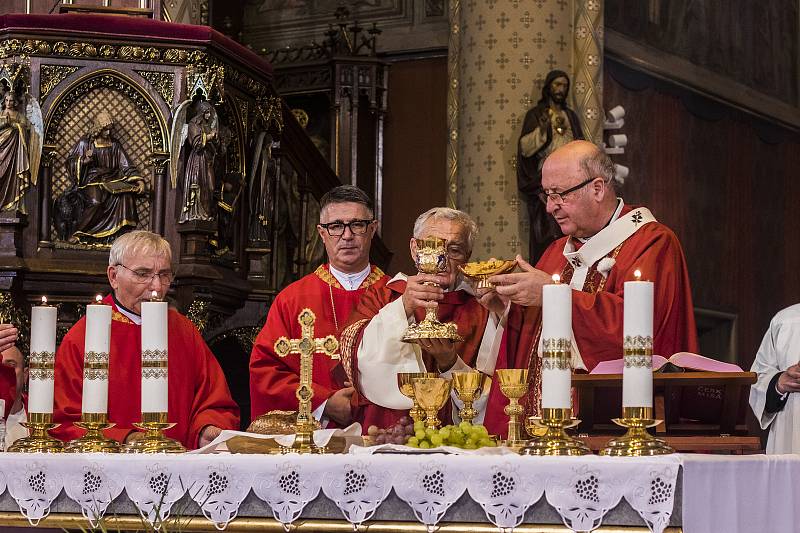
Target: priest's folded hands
point(522, 288)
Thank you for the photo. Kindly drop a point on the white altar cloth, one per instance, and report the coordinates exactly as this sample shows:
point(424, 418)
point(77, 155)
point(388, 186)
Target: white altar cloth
point(581, 489)
point(741, 494)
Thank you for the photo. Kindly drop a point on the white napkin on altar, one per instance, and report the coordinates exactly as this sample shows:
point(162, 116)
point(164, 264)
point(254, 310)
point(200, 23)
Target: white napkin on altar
point(321, 438)
point(403, 449)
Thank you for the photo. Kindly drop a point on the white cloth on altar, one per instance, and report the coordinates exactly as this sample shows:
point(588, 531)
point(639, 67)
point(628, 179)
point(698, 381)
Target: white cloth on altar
point(740, 494)
point(382, 355)
point(14, 428)
point(779, 350)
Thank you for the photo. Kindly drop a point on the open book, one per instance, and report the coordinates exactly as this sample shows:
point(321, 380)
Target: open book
point(677, 363)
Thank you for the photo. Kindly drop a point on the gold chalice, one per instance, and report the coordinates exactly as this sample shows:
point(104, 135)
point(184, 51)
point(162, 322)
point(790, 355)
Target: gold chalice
point(405, 382)
point(480, 272)
point(431, 393)
point(468, 386)
point(513, 385)
point(431, 259)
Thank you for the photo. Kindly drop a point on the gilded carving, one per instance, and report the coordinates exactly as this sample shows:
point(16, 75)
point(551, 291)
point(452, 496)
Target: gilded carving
point(204, 79)
point(269, 109)
point(51, 75)
point(115, 82)
point(162, 82)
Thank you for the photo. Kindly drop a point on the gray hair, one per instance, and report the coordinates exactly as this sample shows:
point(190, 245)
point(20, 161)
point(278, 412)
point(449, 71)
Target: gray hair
point(599, 165)
point(447, 213)
point(139, 242)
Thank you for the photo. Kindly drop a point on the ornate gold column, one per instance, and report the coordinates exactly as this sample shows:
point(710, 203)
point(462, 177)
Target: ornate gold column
point(500, 53)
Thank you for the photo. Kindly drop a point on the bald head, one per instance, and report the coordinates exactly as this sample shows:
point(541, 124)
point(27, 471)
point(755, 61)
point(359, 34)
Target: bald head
point(584, 169)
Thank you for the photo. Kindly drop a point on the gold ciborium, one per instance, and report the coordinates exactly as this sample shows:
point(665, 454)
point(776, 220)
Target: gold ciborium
point(405, 382)
point(468, 386)
point(513, 385)
point(432, 394)
point(431, 259)
point(480, 272)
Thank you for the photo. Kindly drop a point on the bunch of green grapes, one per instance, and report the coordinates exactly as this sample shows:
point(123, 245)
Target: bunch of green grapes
point(464, 435)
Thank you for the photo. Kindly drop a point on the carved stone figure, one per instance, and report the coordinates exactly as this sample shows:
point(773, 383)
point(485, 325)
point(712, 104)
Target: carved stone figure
point(20, 151)
point(260, 193)
point(106, 182)
point(198, 155)
point(547, 126)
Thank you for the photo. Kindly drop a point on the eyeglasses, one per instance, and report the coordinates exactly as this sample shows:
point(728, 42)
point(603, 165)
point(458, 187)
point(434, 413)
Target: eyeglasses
point(357, 227)
point(146, 276)
point(558, 197)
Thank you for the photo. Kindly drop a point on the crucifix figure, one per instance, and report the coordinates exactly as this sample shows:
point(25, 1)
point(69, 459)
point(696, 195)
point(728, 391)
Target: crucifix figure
point(306, 346)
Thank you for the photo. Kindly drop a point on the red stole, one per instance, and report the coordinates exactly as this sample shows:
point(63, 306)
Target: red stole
point(198, 392)
point(459, 307)
point(274, 380)
point(8, 387)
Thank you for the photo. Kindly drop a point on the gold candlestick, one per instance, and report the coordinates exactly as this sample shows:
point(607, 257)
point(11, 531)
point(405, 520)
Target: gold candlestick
point(39, 440)
point(555, 441)
point(637, 441)
point(431, 259)
point(94, 440)
point(306, 346)
point(432, 394)
point(154, 440)
point(468, 386)
point(513, 385)
point(405, 382)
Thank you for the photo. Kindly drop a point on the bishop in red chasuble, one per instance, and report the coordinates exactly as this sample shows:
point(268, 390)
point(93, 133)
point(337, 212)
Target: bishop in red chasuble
point(346, 227)
point(606, 241)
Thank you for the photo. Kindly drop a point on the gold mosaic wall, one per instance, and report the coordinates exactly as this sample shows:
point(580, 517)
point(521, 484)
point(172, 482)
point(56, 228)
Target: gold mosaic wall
point(501, 51)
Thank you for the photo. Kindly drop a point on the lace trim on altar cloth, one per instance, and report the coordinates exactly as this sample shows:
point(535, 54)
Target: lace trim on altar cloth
point(581, 489)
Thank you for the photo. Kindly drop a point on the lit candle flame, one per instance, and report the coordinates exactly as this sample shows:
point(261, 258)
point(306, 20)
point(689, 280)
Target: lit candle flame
point(637, 274)
point(98, 298)
point(154, 295)
point(44, 300)
point(556, 278)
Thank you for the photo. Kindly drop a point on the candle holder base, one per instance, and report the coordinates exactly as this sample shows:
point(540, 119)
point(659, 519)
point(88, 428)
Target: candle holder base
point(637, 441)
point(154, 440)
point(555, 440)
point(303, 443)
point(94, 440)
point(39, 440)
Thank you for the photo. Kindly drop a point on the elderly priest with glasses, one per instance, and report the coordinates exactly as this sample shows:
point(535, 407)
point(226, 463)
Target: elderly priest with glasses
point(199, 401)
point(605, 242)
point(346, 226)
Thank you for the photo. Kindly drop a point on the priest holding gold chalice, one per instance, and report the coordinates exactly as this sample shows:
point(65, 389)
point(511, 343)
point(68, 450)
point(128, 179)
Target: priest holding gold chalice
point(375, 346)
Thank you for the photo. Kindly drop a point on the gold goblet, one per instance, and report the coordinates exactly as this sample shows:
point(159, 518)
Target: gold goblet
point(514, 385)
point(481, 271)
point(431, 259)
point(431, 393)
point(468, 386)
point(405, 382)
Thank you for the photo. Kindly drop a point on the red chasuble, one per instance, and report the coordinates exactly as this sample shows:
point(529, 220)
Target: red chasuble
point(8, 387)
point(459, 307)
point(274, 380)
point(198, 392)
point(597, 310)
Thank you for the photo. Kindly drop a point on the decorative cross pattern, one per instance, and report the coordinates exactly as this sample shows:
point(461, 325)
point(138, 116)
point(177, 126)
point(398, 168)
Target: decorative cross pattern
point(636, 218)
point(306, 346)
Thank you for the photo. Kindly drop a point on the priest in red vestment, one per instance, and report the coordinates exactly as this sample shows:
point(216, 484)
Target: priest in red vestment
point(347, 225)
point(605, 242)
point(199, 401)
point(372, 350)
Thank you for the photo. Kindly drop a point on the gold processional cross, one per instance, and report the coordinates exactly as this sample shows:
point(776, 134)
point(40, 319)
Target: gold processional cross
point(306, 346)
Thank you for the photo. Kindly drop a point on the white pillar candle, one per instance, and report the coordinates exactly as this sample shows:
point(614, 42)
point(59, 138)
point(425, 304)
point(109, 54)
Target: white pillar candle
point(42, 360)
point(637, 374)
point(154, 357)
point(95, 358)
point(556, 329)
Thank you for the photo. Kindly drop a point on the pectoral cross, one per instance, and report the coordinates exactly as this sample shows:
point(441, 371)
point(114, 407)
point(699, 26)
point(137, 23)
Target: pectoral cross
point(306, 346)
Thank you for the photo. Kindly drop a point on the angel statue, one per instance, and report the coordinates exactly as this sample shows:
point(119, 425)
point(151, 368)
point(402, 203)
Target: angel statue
point(20, 151)
point(196, 149)
point(106, 183)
